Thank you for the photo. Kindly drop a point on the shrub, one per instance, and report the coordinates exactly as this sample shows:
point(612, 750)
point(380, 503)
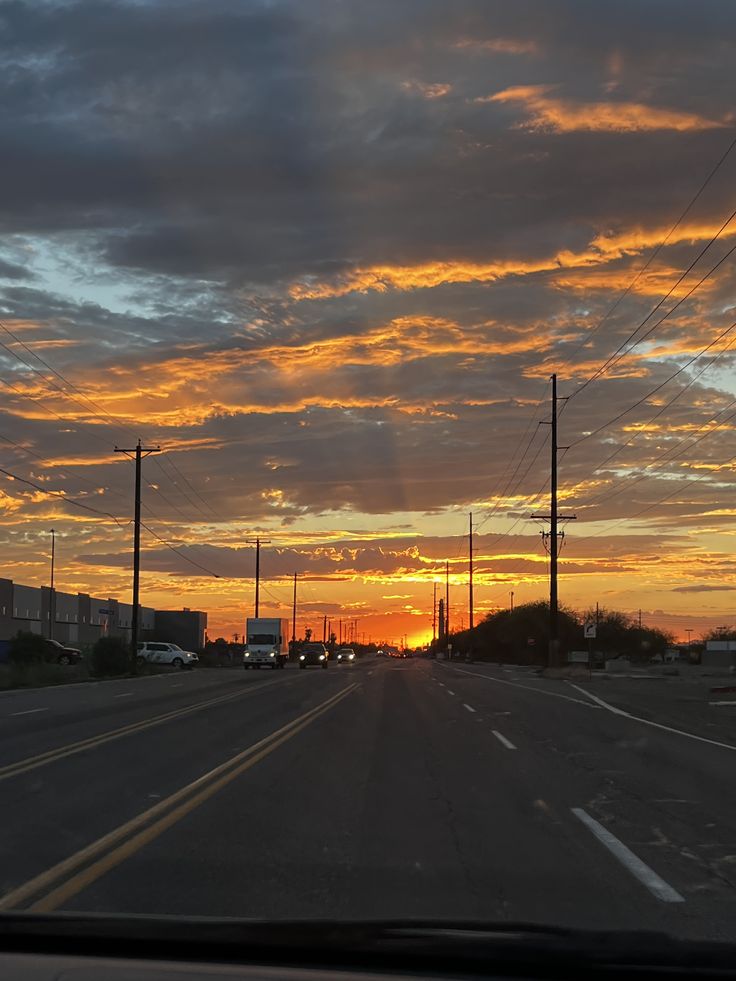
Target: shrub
point(110, 656)
point(27, 648)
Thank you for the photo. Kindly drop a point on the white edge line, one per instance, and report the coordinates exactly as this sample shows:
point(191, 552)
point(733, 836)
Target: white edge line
point(631, 862)
point(28, 712)
point(537, 691)
point(123, 694)
point(468, 707)
point(723, 703)
point(654, 725)
point(502, 739)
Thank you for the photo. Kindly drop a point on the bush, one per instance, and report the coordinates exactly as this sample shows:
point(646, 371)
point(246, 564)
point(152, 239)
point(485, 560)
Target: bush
point(110, 656)
point(27, 648)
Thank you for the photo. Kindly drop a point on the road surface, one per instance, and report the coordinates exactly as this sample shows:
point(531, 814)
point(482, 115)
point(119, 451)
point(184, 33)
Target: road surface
point(380, 789)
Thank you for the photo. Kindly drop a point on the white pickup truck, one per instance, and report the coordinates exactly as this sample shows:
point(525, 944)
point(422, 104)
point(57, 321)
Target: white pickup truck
point(267, 643)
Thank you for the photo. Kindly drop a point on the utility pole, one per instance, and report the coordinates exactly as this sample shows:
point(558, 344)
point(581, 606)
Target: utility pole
point(137, 454)
point(340, 628)
point(293, 615)
point(258, 542)
point(512, 601)
point(52, 594)
point(470, 576)
point(447, 598)
point(553, 653)
point(434, 612)
point(689, 632)
point(640, 619)
point(324, 629)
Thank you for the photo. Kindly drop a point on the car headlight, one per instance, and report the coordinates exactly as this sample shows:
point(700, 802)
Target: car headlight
point(247, 654)
point(301, 657)
point(350, 657)
point(272, 654)
point(321, 657)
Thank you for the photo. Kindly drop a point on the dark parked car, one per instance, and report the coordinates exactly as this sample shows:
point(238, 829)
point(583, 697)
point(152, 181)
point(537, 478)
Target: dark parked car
point(313, 654)
point(60, 654)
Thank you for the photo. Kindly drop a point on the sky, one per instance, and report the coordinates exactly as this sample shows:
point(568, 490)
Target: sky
point(327, 256)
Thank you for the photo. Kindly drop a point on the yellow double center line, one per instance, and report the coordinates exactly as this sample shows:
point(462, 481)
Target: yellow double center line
point(57, 885)
point(51, 755)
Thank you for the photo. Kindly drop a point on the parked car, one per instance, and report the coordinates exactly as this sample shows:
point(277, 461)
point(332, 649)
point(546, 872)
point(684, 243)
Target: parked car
point(60, 654)
point(345, 655)
point(315, 654)
point(156, 652)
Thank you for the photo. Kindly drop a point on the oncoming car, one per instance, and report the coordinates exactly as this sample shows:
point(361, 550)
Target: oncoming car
point(345, 655)
point(315, 654)
point(155, 652)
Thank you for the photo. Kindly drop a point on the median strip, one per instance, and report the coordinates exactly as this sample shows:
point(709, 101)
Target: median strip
point(55, 886)
point(71, 749)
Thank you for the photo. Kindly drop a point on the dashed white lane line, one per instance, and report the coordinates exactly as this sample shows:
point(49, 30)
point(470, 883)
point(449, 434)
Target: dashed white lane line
point(123, 694)
point(449, 692)
point(648, 722)
point(723, 703)
point(468, 707)
point(631, 862)
point(29, 712)
point(179, 685)
point(441, 684)
point(503, 740)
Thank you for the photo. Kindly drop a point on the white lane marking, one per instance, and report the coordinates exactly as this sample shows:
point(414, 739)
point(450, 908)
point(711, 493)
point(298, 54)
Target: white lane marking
point(503, 740)
point(179, 685)
point(468, 707)
point(441, 684)
point(597, 700)
point(449, 692)
point(631, 862)
point(515, 684)
point(722, 703)
point(654, 725)
point(29, 712)
point(123, 694)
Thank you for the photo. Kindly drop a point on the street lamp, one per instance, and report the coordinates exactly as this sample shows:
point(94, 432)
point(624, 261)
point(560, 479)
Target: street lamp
point(52, 604)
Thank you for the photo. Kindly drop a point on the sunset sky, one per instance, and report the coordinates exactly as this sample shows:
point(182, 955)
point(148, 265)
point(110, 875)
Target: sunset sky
point(327, 255)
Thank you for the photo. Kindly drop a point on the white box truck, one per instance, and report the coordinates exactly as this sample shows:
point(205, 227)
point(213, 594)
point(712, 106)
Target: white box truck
point(266, 642)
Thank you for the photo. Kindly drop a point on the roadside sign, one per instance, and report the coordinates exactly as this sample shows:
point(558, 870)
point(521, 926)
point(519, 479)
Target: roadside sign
point(578, 657)
point(589, 630)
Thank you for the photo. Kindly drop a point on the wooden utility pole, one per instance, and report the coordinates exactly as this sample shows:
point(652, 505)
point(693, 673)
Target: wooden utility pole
point(553, 652)
point(447, 598)
point(293, 615)
point(137, 454)
point(470, 576)
point(434, 612)
point(258, 542)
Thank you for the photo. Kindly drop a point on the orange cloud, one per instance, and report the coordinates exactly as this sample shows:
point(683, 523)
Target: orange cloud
point(565, 116)
point(435, 90)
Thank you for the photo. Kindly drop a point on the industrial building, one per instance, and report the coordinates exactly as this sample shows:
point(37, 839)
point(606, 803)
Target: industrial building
point(79, 619)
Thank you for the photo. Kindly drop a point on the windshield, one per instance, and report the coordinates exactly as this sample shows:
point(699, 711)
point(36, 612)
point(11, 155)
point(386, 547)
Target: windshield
point(399, 340)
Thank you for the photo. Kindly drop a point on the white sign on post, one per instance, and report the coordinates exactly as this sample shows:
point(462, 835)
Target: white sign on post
point(589, 630)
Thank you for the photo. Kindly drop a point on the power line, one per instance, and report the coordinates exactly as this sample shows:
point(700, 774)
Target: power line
point(675, 398)
point(179, 552)
point(653, 391)
point(709, 177)
point(614, 359)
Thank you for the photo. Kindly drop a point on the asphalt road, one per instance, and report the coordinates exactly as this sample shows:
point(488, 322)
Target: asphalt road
point(380, 789)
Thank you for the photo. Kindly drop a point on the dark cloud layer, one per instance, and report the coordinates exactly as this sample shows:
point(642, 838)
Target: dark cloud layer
point(328, 254)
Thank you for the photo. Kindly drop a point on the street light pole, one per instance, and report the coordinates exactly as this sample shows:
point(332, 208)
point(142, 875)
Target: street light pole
point(512, 601)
